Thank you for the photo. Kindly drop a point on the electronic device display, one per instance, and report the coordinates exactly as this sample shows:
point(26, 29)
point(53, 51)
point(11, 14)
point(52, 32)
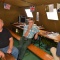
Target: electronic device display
point(22, 19)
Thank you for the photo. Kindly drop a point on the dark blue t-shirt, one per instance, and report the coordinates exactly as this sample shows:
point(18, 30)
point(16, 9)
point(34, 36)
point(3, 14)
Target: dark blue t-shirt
point(4, 38)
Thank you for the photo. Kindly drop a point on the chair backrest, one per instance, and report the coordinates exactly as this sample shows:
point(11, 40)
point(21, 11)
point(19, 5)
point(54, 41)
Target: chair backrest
point(36, 40)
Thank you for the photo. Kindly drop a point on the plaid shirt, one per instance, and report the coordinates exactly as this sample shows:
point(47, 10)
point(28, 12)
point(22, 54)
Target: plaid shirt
point(32, 31)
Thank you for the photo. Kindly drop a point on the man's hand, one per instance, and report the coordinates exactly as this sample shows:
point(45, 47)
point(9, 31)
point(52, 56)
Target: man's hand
point(26, 34)
point(2, 54)
point(28, 30)
point(9, 50)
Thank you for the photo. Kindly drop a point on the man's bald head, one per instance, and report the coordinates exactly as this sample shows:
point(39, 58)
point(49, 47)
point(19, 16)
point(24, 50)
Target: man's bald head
point(1, 20)
point(1, 23)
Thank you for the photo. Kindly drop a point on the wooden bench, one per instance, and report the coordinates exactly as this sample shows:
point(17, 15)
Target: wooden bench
point(39, 52)
point(8, 57)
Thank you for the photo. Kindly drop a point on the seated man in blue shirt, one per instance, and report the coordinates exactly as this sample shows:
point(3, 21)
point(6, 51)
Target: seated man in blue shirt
point(29, 31)
point(6, 42)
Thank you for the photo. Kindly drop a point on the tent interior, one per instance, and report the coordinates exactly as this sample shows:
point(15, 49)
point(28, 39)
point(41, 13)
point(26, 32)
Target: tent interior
point(40, 14)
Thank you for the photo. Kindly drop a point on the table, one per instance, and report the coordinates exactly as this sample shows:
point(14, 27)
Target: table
point(18, 25)
point(21, 25)
point(43, 33)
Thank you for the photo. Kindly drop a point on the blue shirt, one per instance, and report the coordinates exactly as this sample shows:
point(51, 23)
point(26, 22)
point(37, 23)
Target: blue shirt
point(32, 31)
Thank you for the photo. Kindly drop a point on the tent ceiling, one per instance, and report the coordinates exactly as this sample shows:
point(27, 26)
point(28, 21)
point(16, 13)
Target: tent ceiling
point(30, 2)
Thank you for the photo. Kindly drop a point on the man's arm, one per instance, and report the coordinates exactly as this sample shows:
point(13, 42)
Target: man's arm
point(36, 36)
point(36, 32)
point(10, 45)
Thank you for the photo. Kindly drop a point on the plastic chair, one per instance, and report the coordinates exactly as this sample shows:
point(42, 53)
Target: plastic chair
point(36, 40)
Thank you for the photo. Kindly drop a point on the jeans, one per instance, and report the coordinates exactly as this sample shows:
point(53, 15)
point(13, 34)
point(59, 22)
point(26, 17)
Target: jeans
point(58, 49)
point(24, 42)
point(15, 51)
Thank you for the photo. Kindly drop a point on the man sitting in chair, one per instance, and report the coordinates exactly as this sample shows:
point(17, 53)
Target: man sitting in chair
point(6, 42)
point(29, 31)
